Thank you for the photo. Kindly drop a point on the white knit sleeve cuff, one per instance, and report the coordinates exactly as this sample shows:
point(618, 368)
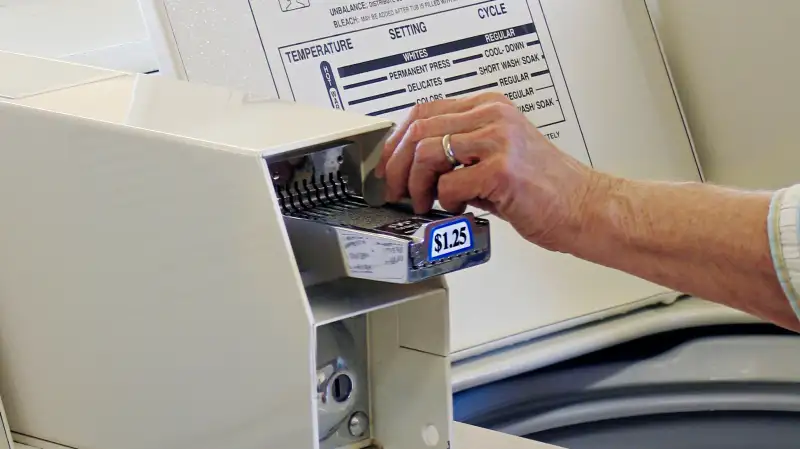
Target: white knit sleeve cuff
point(784, 238)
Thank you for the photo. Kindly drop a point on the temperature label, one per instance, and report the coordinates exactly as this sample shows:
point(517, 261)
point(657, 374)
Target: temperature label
point(450, 239)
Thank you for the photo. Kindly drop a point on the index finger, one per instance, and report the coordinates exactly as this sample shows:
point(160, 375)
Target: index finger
point(418, 112)
point(428, 110)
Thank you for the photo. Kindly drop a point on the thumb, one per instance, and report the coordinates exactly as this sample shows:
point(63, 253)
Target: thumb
point(461, 187)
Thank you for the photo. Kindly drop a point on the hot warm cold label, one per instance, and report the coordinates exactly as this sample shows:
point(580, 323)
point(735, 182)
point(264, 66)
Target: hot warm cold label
point(381, 57)
point(450, 239)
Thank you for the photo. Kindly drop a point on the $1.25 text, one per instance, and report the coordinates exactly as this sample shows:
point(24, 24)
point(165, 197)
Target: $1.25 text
point(450, 239)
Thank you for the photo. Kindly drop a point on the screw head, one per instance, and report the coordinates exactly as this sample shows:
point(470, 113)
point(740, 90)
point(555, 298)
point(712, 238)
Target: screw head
point(359, 424)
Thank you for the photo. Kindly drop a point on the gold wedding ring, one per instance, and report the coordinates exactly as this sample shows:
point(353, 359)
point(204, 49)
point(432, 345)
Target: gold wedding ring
point(448, 151)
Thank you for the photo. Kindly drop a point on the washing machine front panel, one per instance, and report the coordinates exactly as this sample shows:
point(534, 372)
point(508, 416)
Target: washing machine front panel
point(590, 75)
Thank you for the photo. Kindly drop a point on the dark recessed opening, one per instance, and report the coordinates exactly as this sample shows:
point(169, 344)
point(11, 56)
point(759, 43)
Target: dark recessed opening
point(342, 388)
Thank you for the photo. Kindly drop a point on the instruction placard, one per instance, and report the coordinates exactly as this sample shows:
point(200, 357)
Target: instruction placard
point(381, 57)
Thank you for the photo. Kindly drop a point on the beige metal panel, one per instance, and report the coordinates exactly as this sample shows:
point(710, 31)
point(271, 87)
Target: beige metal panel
point(36, 75)
point(150, 292)
point(465, 436)
point(527, 291)
point(5, 432)
point(216, 115)
point(736, 68)
point(620, 88)
point(184, 318)
point(106, 33)
point(471, 437)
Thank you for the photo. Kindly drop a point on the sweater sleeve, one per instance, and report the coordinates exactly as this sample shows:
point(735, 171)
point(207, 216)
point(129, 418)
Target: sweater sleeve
point(783, 226)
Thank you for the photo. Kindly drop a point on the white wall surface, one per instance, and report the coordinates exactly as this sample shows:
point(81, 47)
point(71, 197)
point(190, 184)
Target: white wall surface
point(736, 64)
point(107, 33)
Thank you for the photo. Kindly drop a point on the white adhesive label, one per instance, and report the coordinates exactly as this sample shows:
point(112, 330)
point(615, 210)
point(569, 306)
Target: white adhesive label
point(374, 258)
point(381, 57)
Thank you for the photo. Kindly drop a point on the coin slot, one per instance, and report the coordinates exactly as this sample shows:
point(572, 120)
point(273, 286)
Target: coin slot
point(341, 388)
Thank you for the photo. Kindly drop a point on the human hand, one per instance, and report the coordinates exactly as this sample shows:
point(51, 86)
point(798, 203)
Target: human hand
point(510, 169)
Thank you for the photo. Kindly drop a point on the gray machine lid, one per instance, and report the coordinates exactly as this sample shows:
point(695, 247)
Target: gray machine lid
point(686, 431)
point(722, 387)
point(571, 342)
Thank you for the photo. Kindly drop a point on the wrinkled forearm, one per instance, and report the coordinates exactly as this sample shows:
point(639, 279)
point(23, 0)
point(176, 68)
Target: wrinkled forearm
point(695, 238)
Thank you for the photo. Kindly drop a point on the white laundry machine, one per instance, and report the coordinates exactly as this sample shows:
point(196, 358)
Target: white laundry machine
point(257, 317)
point(545, 346)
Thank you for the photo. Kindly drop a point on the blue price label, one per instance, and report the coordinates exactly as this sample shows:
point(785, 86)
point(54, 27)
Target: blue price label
point(450, 239)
